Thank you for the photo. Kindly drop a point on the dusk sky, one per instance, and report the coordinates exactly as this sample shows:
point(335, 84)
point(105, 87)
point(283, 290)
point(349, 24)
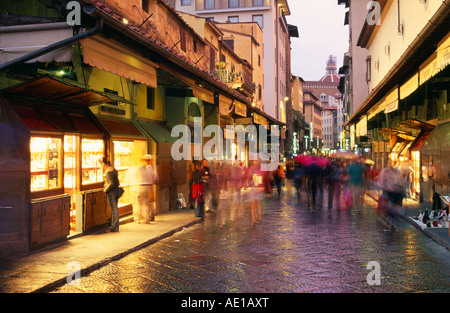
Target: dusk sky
point(322, 33)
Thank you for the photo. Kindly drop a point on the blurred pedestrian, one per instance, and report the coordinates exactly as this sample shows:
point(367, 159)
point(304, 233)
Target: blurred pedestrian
point(214, 186)
point(198, 189)
point(278, 176)
point(334, 185)
point(298, 179)
point(267, 182)
point(237, 173)
point(356, 181)
point(206, 178)
point(256, 191)
point(313, 170)
point(111, 188)
point(190, 175)
point(141, 180)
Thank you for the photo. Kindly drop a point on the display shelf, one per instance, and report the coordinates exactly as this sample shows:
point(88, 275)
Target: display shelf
point(45, 163)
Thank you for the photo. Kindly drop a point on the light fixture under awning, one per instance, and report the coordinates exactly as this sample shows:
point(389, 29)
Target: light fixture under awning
point(111, 57)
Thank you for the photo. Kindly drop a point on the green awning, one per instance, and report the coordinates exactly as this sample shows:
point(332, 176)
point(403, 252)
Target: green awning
point(157, 132)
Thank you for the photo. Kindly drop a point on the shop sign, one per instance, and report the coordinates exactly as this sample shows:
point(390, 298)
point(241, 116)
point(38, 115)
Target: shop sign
point(259, 119)
point(428, 71)
point(352, 136)
point(391, 102)
point(375, 147)
point(203, 94)
point(361, 127)
point(240, 109)
point(391, 107)
point(443, 54)
point(243, 121)
point(112, 110)
point(381, 147)
point(226, 105)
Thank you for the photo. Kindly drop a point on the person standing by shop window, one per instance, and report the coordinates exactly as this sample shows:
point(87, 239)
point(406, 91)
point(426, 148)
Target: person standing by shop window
point(154, 179)
point(141, 179)
point(111, 188)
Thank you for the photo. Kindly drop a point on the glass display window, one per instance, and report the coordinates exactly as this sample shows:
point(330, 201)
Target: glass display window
point(46, 163)
point(70, 162)
point(415, 158)
point(127, 153)
point(92, 150)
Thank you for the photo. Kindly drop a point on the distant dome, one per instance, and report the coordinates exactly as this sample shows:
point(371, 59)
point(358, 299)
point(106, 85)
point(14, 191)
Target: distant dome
point(331, 76)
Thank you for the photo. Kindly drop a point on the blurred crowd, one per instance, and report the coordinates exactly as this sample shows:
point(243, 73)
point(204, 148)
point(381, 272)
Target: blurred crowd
point(344, 181)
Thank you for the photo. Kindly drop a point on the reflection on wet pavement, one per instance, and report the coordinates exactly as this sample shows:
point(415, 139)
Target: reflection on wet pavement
point(292, 249)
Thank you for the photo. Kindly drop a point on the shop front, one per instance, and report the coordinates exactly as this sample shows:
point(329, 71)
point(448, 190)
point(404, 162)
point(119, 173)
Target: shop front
point(172, 173)
point(128, 145)
point(66, 141)
point(435, 163)
point(65, 174)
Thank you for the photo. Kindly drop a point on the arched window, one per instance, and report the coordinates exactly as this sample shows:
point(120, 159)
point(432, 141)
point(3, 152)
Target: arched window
point(323, 97)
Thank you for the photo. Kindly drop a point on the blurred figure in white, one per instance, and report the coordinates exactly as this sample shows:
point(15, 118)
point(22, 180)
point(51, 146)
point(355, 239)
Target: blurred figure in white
point(255, 183)
point(141, 180)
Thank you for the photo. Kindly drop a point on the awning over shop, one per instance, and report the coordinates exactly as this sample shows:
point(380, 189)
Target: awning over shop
point(41, 117)
point(377, 108)
point(226, 105)
point(106, 55)
point(419, 143)
point(391, 101)
point(406, 137)
point(439, 136)
point(409, 86)
point(398, 147)
point(49, 89)
point(416, 124)
point(157, 132)
point(20, 40)
point(404, 151)
point(203, 94)
point(120, 128)
point(443, 53)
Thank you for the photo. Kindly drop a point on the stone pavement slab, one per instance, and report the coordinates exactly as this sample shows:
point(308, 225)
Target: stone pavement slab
point(42, 270)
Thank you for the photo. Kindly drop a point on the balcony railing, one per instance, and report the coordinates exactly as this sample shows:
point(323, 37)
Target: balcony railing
point(203, 5)
point(237, 80)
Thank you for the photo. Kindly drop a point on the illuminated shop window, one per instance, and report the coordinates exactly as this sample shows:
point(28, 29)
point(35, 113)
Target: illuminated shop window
point(45, 167)
point(92, 151)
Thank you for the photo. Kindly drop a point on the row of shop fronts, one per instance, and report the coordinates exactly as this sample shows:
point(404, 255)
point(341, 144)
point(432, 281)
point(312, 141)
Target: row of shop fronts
point(410, 125)
point(97, 98)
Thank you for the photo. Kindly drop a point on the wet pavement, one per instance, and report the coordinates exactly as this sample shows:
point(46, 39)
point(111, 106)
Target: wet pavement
point(291, 249)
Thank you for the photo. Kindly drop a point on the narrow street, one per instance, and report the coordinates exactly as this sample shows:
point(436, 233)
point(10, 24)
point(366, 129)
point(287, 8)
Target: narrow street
point(292, 249)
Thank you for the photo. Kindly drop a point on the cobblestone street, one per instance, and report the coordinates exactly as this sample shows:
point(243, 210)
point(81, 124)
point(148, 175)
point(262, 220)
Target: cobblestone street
point(292, 249)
